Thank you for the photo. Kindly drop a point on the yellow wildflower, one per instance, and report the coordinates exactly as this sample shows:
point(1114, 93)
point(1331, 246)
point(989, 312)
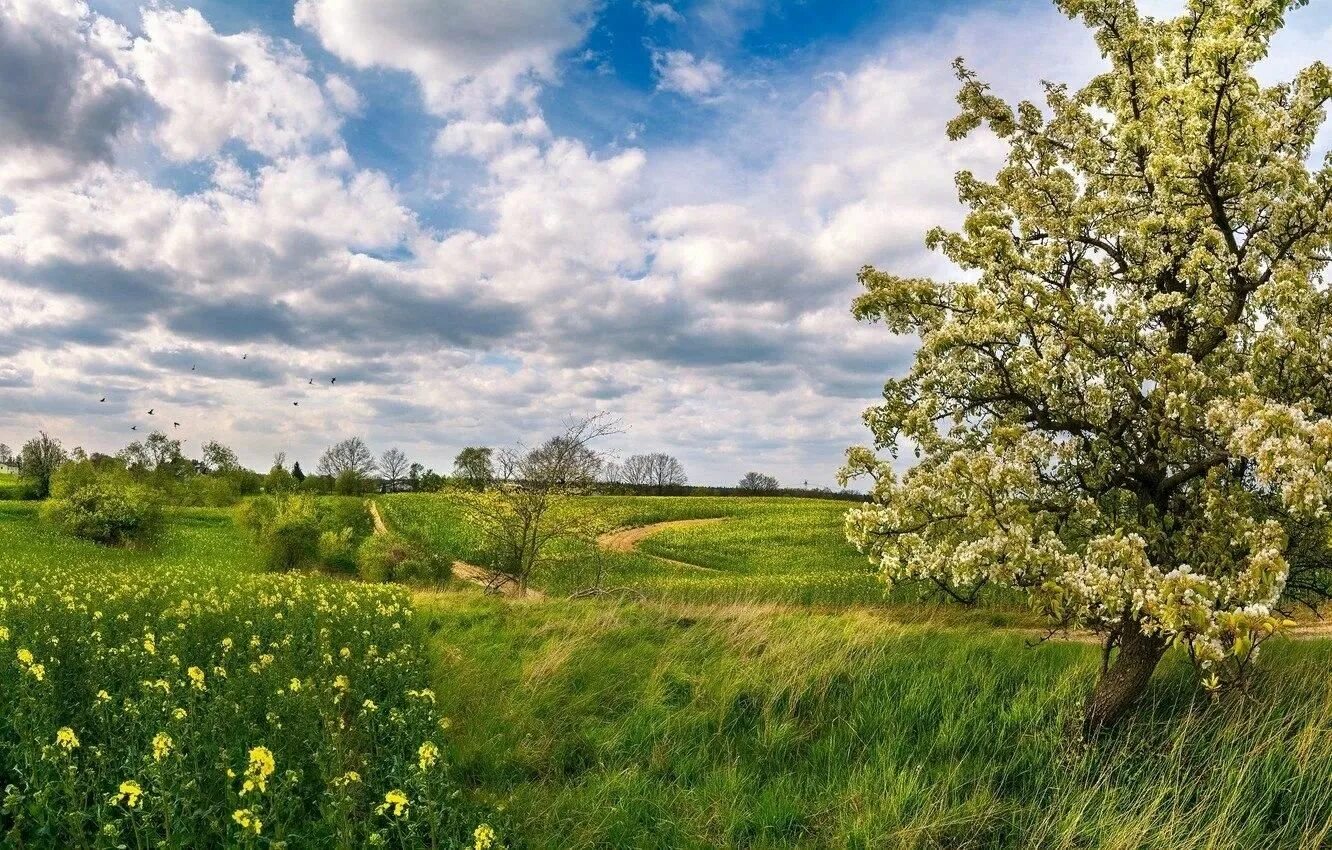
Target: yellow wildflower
point(347, 778)
point(427, 755)
point(261, 767)
point(25, 656)
point(162, 744)
point(129, 795)
point(394, 801)
point(66, 739)
point(248, 821)
point(196, 678)
point(484, 837)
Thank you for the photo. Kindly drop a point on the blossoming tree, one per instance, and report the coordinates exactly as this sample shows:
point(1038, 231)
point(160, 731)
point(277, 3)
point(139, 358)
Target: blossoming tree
point(1125, 408)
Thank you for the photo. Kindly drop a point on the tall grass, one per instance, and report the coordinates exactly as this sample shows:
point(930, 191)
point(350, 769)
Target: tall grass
point(687, 726)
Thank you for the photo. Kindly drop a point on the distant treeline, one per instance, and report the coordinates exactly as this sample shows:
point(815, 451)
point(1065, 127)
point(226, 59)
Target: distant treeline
point(216, 478)
point(620, 489)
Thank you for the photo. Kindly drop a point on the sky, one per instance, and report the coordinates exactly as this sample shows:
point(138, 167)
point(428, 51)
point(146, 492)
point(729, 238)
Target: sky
point(486, 218)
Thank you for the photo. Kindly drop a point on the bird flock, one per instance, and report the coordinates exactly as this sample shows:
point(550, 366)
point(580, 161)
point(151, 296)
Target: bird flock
point(152, 411)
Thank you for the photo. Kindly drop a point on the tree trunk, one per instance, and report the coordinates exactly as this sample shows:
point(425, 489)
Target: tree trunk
point(1123, 681)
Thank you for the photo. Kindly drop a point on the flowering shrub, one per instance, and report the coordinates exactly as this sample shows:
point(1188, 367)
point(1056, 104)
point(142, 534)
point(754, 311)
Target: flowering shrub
point(191, 706)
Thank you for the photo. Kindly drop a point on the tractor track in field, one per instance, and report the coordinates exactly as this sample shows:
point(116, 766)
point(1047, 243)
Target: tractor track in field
point(463, 570)
point(626, 540)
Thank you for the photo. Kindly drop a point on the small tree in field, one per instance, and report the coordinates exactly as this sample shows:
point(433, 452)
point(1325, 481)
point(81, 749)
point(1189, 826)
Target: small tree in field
point(1125, 408)
point(758, 482)
point(531, 507)
point(475, 467)
point(393, 466)
point(38, 460)
point(350, 455)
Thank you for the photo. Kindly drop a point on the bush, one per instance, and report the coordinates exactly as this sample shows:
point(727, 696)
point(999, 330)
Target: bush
point(102, 505)
point(286, 529)
point(351, 483)
point(337, 551)
point(297, 530)
point(392, 557)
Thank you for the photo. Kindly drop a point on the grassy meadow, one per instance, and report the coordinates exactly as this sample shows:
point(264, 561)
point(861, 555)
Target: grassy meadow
point(175, 696)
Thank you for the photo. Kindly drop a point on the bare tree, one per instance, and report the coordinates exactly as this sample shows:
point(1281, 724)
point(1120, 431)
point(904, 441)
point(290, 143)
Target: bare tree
point(758, 482)
point(657, 470)
point(393, 466)
point(350, 455)
point(532, 508)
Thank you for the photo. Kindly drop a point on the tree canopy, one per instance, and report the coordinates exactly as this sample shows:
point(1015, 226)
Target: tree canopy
point(1123, 407)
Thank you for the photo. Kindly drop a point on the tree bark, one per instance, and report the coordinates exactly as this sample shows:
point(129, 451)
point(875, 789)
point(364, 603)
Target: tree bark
point(1124, 680)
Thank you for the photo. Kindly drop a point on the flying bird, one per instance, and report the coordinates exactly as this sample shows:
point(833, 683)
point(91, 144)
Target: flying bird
point(334, 381)
point(295, 404)
point(177, 424)
point(245, 357)
point(192, 368)
point(134, 427)
point(312, 382)
point(102, 399)
point(150, 410)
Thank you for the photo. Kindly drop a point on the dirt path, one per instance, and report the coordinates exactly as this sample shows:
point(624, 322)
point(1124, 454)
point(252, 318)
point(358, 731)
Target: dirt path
point(465, 571)
point(627, 539)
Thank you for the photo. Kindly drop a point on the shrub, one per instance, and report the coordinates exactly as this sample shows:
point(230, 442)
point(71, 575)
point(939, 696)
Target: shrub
point(286, 529)
point(336, 550)
point(297, 530)
point(102, 505)
point(392, 557)
point(351, 483)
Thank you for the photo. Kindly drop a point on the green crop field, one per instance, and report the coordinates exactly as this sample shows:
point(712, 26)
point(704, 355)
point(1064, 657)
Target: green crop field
point(718, 711)
point(172, 696)
point(762, 550)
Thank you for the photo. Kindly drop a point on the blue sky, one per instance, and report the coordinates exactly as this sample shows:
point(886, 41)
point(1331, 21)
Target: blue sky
point(485, 218)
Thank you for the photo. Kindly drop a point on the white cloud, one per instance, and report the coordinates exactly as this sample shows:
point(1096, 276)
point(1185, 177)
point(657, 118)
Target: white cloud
point(343, 94)
point(700, 289)
point(684, 73)
point(466, 56)
point(213, 88)
point(660, 12)
point(64, 100)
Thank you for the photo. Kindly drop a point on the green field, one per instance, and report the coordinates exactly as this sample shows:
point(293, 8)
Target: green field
point(674, 726)
point(716, 712)
point(174, 697)
point(763, 550)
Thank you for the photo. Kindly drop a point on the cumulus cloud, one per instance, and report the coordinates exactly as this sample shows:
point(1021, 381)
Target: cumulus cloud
point(684, 73)
point(700, 288)
point(65, 99)
point(466, 56)
point(213, 88)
